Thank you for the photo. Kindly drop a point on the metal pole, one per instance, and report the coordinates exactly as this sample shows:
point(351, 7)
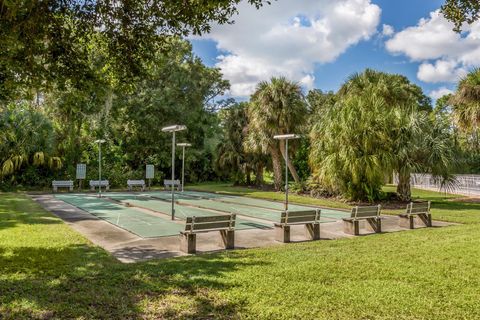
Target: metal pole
point(173, 176)
point(99, 169)
point(183, 168)
point(286, 174)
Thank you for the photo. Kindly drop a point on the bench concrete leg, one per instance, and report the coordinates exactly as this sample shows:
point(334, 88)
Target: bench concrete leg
point(374, 225)
point(282, 233)
point(107, 188)
point(312, 231)
point(55, 189)
point(188, 243)
point(407, 222)
point(70, 188)
point(425, 219)
point(351, 227)
point(228, 238)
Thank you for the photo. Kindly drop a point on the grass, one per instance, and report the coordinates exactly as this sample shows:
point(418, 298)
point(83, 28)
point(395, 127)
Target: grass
point(47, 270)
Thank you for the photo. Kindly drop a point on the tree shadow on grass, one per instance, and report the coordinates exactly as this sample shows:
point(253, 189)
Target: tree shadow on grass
point(83, 281)
point(20, 210)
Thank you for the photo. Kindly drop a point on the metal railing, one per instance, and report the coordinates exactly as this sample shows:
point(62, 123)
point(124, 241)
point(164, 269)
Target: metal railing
point(465, 184)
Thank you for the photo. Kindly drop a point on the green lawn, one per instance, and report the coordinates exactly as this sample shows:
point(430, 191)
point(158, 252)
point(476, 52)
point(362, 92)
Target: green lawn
point(48, 271)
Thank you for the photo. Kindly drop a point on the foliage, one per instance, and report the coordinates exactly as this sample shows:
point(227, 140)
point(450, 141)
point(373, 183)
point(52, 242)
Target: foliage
point(349, 152)
point(466, 101)
point(318, 101)
point(48, 42)
point(379, 124)
point(27, 139)
point(178, 89)
point(300, 159)
point(395, 89)
point(276, 107)
point(233, 160)
point(461, 11)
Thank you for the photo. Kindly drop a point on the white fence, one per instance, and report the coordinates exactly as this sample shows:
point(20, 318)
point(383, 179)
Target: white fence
point(466, 184)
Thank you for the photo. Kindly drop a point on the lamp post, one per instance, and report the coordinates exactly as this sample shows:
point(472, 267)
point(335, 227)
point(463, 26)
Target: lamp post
point(100, 141)
point(173, 129)
point(183, 145)
point(286, 137)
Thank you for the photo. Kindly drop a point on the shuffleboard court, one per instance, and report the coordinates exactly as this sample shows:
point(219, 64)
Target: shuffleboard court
point(181, 212)
point(134, 221)
point(126, 210)
point(258, 208)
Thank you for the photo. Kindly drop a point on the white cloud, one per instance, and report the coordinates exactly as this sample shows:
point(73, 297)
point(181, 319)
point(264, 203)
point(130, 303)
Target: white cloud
point(437, 94)
point(441, 71)
point(288, 38)
point(445, 55)
point(387, 30)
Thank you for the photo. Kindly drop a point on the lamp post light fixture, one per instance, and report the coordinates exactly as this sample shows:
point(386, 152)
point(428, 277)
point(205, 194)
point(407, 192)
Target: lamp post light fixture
point(286, 137)
point(173, 129)
point(183, 145)
point(100, 141)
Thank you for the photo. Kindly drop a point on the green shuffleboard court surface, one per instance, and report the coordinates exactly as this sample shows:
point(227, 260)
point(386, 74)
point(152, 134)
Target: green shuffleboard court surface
point(258, 208)
point(181, 212)
point(135, 221)
point(113, 209)
point(140, 223)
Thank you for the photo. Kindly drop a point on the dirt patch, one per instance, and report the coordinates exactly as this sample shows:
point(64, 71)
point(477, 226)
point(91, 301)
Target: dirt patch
point(466, 200)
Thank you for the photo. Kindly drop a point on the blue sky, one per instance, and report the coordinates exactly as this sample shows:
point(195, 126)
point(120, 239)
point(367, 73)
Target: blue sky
point(321, 42)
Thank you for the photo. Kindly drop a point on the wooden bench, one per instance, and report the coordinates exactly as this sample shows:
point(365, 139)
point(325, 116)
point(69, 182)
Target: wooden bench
point(370, 213)
point(309, 218)
point(419, 211)
point(95, 184)
point(136, 183)
point(168, 184)
point(225, 224)
point(62, 184)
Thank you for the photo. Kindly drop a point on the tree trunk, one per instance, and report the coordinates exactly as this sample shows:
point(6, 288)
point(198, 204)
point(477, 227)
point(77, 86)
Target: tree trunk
point(248, 174)
point(277, 168)
point(403, 187)
point(291, 167)
point(259, 174)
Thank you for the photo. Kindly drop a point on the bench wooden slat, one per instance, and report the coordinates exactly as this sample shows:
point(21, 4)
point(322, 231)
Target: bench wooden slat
point(217, 218)
point(217, 222)
point(135, 182)
point(96, 183)
point(62, 183)
point(415, 208)
point(365, 212)
point(299, 217)
point(169, 182)
point(210, 226)
point(298, 220)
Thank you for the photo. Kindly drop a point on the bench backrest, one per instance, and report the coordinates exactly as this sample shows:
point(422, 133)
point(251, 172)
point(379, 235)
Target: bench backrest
point(169, 182)
point(366, 212)
point(95, 183)
point(418, 207)
point(300, 217)
point(136, 182)
point(58, 183)
point(210, 223)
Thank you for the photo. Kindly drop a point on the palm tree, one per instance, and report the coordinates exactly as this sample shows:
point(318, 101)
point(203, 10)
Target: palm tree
point(466, 101)
point(230, 153)
point(232, 156)
point(277, 107)
point(25, 135)
point(379, 124)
